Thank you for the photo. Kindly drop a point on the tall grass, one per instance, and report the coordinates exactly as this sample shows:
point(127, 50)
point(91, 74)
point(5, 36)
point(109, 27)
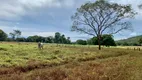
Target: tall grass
point(25, 61)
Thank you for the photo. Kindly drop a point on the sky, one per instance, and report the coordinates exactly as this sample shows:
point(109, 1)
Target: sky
point(45, 17)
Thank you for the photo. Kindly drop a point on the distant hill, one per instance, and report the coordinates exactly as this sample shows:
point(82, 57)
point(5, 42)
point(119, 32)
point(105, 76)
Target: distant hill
point(130, 41)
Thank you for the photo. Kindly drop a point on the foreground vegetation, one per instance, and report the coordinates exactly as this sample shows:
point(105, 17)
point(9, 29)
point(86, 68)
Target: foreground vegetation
point(23, 61)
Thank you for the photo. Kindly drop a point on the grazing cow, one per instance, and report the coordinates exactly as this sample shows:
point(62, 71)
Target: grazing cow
point(40, 45)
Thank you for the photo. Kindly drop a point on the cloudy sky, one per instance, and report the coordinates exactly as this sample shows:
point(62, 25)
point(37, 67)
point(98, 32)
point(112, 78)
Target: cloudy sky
point(45, 17)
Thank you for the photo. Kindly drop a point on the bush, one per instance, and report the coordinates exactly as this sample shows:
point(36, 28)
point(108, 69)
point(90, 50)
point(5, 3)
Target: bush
point(3, 49)
point(81, 42)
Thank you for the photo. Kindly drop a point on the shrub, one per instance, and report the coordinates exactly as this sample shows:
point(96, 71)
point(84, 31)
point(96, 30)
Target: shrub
point(3, 49)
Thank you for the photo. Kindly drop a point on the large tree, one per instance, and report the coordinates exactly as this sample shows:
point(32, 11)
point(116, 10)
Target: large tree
point(102, 17)
point(3, 35)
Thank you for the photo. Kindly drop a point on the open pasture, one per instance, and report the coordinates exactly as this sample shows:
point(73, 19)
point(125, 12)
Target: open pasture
point(24, 61)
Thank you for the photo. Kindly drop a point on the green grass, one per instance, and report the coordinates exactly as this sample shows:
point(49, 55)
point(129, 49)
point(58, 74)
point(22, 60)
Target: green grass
point(23, 61)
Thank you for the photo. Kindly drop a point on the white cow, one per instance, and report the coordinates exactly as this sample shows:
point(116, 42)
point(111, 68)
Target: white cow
point(40, 45)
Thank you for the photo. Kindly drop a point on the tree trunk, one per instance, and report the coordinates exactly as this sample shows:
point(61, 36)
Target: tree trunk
point(99, 42)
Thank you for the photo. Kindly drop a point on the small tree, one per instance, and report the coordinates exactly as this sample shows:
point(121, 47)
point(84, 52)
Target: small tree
point(102, 17)
point(15, 34)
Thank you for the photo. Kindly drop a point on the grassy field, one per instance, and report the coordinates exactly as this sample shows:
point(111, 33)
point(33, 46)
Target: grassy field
point(23, 61)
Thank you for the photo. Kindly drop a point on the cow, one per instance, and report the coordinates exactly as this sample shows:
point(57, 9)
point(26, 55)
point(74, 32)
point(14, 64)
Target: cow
point(40, 45)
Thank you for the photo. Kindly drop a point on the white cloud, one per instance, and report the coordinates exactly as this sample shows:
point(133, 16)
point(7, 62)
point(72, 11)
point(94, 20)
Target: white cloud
point(26, 31)
point(44, 34)
point(15, 9)
point(133, 34)
point(120, 37)
point(10, 10)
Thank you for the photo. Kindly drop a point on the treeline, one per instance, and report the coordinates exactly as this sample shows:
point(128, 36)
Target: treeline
point(62, 39)
point(106, 40)
point(58, 38)
point(15, 36)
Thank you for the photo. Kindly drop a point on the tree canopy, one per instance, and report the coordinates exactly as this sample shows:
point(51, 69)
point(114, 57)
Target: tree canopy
point(107, 40)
